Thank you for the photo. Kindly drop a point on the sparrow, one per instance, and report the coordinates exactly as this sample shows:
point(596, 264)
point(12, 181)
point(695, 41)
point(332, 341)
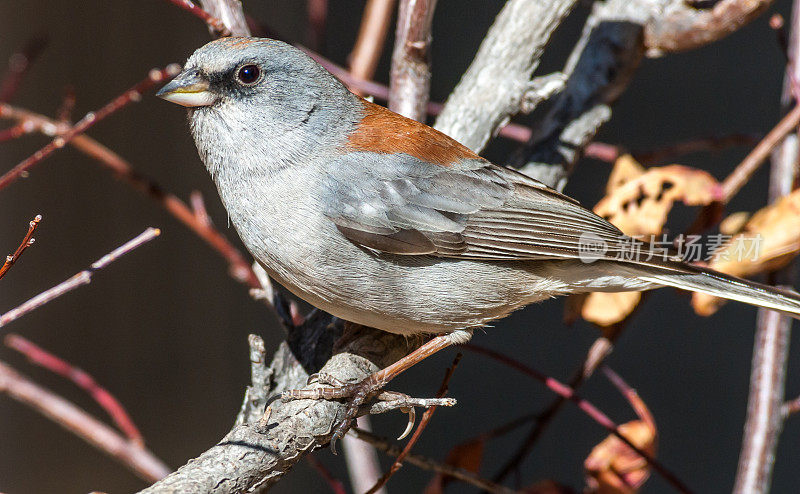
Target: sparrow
point(383, 221)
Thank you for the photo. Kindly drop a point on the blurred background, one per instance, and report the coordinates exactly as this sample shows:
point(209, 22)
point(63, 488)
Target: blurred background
point(165, 328)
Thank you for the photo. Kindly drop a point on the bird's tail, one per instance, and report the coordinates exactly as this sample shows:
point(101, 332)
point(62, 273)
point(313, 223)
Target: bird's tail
point(703, 280)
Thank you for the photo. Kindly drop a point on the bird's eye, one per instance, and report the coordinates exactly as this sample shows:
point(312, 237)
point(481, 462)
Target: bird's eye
point(248, 74)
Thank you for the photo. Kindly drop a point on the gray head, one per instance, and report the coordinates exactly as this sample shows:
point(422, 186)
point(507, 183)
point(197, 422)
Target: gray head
point(258, 94)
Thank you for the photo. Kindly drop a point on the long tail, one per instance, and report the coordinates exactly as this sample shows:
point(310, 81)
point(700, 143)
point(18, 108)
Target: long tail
point(698, 279)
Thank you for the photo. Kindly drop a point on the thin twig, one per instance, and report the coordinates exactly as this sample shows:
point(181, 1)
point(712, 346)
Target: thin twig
point(80, 378)
point(27, 241)
point(18, 66)
point(410, 82)
point(214, 24)
point(586, 407)
point(82, 278)
point(765, 412)
point(426, 463)
point(137, 458)
point(240, 269)
point(371, 38)
point(742, 173)
point(426, 417)
point(133, 94)
point(594, 357)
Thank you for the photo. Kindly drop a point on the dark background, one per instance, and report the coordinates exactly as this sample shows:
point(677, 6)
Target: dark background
point(165, 328)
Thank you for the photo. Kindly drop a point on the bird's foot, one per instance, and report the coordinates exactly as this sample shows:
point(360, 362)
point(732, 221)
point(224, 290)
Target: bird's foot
point(357, 395)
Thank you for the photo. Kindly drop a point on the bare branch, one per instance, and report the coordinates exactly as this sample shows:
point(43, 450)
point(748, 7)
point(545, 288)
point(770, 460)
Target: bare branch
point(429, 463)
point(27, 241)
point(133, 94)
point(410, 85)
point(240, 269)
point(18, 66)
point(684, 27)
point(82, 278)
point(230, 13)
point(255, 455)
point(137, 458)
point(215, 25)
point(765, 413)
point(371, 38)
point(482, 101)
point(80, 378)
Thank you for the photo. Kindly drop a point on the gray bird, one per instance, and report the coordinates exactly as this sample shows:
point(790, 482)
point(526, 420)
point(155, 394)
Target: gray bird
point(386, 222)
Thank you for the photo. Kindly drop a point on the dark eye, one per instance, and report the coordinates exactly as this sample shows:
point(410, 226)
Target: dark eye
point(248, 74)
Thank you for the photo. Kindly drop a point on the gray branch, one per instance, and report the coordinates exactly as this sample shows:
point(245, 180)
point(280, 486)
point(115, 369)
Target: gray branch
point(496, 83)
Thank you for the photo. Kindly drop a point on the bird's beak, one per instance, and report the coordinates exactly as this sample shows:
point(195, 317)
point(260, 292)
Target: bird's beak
point(189, 88)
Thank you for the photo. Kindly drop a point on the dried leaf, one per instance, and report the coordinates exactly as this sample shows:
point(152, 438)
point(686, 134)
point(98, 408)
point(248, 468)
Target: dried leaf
point(607, 309)
point(640, 206)
point(614, 468)
point(467, 456)
point(767, 242)
point(734, 223)
point(638, 201)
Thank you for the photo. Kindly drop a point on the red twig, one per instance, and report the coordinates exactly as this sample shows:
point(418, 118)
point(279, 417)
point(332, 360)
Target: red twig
point(426, 417)
point(155, 77)
point(83, 380)
point(18, 66)
point(27, 241)
point(240, 269)
point(371, 38)
point(16, 131)
point(586, 407)
point(82, 278)
point(742, 173)
point(215, 24)
point(140, 460)
point(335, 484)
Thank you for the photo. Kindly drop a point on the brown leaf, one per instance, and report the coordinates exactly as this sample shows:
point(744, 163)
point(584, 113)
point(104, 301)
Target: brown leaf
point(640, 206)
point(614, 468)
point(607, 309)
point(467, 456)
point(638, 201)
point(767, 242)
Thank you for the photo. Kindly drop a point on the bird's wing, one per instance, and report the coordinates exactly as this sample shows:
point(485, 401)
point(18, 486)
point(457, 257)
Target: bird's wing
point(472, 209)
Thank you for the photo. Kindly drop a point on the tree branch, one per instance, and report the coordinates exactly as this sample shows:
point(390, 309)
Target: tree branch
point(765, 415)
point(410, 85)
point(496, 84)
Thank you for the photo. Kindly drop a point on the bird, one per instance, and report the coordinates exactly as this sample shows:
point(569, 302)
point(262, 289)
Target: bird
point(383, 221)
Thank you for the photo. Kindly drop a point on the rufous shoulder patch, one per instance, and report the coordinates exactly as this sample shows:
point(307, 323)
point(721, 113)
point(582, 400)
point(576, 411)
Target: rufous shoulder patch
point(386, 132)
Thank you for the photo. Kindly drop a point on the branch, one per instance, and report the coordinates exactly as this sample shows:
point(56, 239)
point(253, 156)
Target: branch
point(82, 278)
point(430, 464)
point(137, 458)
point(499, 79)
point(410, 85)
point(193, 218)
point(80, 378)
point(255, 455)
point(683, 27)
point(133, 94)
point(371, 38)
point(27, 241)
point(765, 415)
point(230, 13)
point(215, 25)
